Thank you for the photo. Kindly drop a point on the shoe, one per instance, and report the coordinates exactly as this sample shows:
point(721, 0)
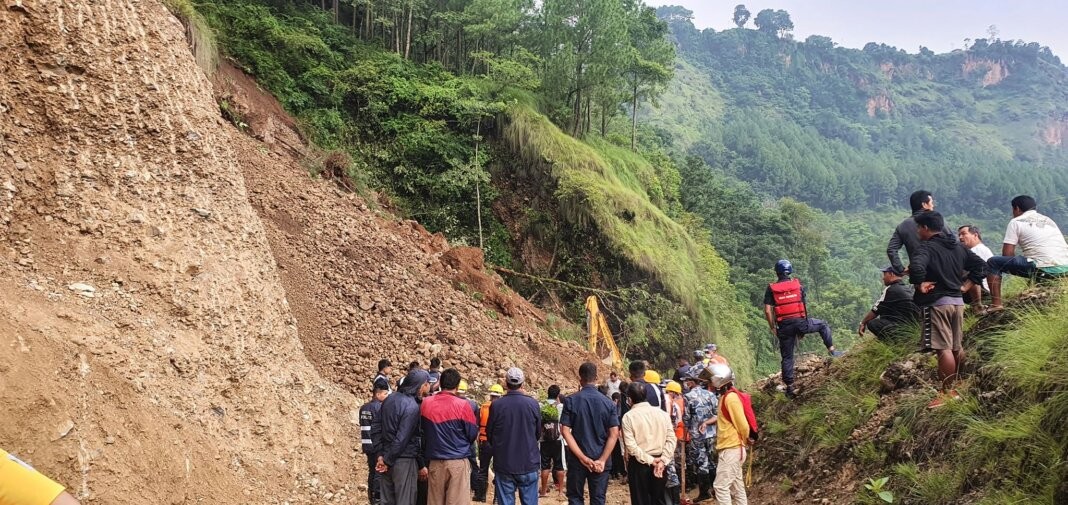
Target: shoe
point(790, 394)
point(836, 354)
point(953, 394)
point(936, 403)
point(941, 400)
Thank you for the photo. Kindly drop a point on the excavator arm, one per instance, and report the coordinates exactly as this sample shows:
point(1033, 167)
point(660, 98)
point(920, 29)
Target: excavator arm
point(598, 329)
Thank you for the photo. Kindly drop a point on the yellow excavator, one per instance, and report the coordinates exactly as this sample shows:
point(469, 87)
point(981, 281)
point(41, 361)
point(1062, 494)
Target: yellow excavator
point(597, 326)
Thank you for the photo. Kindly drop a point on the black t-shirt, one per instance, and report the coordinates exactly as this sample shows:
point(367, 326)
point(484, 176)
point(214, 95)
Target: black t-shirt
point(896, 303)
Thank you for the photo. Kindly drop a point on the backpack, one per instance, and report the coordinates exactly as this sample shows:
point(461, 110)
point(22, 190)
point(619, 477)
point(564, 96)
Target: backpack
point(750, 416)
point(550, 422)
point(789, 302)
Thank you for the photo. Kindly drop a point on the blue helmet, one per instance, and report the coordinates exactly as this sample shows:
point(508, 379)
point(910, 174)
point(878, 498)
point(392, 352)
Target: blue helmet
point(783, 267)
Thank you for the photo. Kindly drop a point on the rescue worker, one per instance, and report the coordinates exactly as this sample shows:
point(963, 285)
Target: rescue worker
point(732, 437)
point(368, 412)
point(677, 412)
point(713, 356)
point(485, 456)
point(700, 419)
point(787, 316)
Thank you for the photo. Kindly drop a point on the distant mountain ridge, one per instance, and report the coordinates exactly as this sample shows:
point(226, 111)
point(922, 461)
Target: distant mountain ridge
point(848, 129)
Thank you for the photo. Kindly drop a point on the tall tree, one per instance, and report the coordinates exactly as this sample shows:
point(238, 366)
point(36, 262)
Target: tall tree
point(741, 15)
point(776, 22)
point(649, 62)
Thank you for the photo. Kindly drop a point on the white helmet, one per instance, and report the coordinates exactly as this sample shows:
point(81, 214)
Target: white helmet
point(721, 375)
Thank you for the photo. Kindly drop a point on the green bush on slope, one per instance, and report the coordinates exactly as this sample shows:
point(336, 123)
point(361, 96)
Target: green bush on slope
point(604, 187)
point(1006, 441)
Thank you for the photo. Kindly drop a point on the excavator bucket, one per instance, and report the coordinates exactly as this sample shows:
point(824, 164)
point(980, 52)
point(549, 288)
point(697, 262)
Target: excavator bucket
point(599, 332)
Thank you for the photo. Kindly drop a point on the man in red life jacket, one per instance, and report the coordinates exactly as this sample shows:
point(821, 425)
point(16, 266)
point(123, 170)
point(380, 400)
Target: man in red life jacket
point(784, 308)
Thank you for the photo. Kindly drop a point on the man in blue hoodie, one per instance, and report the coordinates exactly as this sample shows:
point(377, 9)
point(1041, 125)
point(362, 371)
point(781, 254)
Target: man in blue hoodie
point(399, 448)
point(449, 431)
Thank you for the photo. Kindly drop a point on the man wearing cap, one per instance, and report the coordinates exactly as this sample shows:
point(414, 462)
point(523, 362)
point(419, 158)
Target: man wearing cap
point(700, 419)
point(513, 431)
point(590, 427)
point(449, 429)
point(399, 447)
point(893, 310)
point(485, 455)
point(714, 358)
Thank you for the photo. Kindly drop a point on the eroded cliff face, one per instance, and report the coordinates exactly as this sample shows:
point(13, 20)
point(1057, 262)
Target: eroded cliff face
point(881, 103)
point(989, 72)
point(1054, 130)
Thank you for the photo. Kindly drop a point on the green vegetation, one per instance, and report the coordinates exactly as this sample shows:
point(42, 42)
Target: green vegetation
point(1004, 442)
point(411, 116)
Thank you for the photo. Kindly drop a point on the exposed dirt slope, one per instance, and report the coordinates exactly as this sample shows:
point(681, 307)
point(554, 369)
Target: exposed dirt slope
point(148, 353)
point(364, 285)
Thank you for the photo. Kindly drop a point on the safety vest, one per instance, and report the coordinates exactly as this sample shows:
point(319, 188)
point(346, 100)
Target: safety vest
point(789, 303)
point(678, 410)
point(483, 420)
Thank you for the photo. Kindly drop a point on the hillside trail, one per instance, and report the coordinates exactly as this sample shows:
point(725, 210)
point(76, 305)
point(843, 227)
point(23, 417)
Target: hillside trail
point(186, 312)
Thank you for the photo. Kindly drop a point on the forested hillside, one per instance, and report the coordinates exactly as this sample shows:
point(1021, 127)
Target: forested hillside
point(852, 129)
point(509, 126)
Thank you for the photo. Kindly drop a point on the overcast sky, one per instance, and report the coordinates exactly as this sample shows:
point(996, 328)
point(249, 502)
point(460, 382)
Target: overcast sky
point(941, 25)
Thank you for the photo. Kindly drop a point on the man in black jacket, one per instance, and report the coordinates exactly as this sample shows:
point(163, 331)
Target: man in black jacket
point(399, 448)
point(368, 412)
point(893, 310)
point(905, 233)
point(937, 272)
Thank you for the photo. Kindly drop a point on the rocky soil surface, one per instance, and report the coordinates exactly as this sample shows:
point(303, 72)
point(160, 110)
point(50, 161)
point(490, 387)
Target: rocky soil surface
point(186, 312)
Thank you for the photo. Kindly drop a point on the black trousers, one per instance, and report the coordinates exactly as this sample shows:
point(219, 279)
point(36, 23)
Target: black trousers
point(481, 479)
point(645, 489)
point(372, 480)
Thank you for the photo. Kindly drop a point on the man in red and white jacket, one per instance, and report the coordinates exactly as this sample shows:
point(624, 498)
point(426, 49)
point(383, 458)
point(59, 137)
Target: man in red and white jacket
point(449, 430)
point(787, 316)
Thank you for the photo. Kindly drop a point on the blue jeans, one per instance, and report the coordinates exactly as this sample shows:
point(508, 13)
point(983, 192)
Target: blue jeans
point(506, 484)
point(1013, 265)
point(789, 331)
point(578, 477)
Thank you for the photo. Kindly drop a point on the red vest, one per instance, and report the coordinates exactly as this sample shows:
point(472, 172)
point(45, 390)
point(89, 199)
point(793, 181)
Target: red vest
point(788, 300)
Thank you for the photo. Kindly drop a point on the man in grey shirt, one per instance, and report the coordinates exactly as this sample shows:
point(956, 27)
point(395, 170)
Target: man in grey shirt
point(905, 233)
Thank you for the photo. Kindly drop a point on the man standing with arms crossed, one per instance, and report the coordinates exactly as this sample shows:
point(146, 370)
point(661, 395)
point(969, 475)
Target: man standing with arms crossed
point(590, 427)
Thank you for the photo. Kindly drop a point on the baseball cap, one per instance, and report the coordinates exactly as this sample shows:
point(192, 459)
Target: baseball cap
point(514, 377)
point(891, 269)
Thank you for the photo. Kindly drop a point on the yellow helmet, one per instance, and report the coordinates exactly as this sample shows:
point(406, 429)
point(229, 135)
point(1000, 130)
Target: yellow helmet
point(463, 386)
point(496, 390)
point(652, 377)
point(674, 387)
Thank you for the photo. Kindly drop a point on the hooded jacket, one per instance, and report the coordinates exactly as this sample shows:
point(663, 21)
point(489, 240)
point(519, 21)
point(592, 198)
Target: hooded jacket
point(944, 261)
point(398, 421)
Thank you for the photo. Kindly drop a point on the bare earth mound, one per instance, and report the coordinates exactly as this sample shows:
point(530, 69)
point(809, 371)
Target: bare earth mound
point(150, 354)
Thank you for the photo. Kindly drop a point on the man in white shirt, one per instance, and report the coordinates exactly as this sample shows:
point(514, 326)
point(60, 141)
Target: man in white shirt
point(1042, 247)
point(613, 384)
point(970, 236)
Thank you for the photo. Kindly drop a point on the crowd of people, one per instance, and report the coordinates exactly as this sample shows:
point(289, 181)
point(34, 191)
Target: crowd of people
point(946, 272)
point(427, 443)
